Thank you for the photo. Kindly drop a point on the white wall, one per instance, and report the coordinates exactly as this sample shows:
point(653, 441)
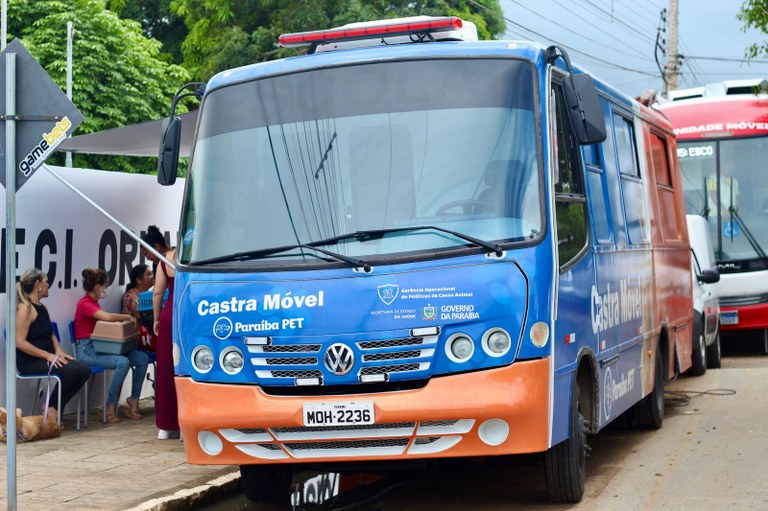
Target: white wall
point(62, 234)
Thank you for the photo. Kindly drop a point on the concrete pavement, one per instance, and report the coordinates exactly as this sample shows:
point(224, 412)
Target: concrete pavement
point(710, 455)
point(113, 467)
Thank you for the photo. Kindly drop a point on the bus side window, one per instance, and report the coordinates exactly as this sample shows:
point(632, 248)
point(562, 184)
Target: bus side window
point(631, 185)
point(570, 202)
point(612, 176)
point(670, 226)
point(600, 215)
point(625, 145)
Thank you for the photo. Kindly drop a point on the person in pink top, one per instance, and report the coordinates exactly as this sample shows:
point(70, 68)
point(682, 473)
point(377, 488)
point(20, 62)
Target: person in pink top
point(88, 312)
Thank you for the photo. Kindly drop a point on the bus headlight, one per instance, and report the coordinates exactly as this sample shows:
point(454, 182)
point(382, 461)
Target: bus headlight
point(459, 348)
point(496, 342)
point(176, 353)
point(231, 360)
point(539, 334)
point(202, 359)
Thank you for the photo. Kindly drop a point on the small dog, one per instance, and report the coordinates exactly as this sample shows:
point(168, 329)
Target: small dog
point(29, 428)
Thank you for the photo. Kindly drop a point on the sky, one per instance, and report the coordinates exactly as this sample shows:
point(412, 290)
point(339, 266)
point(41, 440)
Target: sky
point(615, 39)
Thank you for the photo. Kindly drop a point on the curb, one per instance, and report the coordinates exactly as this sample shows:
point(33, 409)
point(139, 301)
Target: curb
point(182, 500)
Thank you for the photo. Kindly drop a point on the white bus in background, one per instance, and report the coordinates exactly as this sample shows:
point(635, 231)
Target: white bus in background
point(706, 297)
point(722, 134)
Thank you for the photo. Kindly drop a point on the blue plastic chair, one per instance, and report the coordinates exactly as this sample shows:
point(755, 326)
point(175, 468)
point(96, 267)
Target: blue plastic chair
point(44, 376)
point(95, 369)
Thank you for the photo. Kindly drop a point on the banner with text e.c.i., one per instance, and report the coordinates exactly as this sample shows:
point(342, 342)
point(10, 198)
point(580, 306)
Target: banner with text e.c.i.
point(46, 115)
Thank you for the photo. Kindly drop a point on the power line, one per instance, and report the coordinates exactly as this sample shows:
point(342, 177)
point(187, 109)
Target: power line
point(580, 34)
point(728, 59)
point(595, 26)
point(604, 63)
point(692, 64)
point(570, 48)
point(720, 73)
point(610, 17)
point(638, 13)
point(629, 82)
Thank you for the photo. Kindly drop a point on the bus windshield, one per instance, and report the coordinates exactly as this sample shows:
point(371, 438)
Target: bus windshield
point(724, 181)
point(290, 160)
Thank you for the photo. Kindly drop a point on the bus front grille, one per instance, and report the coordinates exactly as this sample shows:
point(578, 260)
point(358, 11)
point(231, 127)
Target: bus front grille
point(740, 301)
point(284, 362)
point(385, 439)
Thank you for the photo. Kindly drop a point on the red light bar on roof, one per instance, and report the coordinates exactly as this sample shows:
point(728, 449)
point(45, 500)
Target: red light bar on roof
point(334, 35)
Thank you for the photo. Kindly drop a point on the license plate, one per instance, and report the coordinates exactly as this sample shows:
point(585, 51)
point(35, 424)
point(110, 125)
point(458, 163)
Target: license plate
point(345, 413)
point(729, 318)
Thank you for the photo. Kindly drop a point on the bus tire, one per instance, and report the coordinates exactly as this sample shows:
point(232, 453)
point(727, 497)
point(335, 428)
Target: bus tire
point(565, 463)
point(649, 412)
point(714, 356)
point(699, 355)
point(266, 483)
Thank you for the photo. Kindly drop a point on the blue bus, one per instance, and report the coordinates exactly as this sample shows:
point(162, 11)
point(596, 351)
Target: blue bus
point(409, 245)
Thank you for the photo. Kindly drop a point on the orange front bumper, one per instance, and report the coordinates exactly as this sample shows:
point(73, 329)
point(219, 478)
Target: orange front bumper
point(492, 412)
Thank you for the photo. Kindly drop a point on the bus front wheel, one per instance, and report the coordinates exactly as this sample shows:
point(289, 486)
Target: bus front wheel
point(267, 483)
point(565, 463)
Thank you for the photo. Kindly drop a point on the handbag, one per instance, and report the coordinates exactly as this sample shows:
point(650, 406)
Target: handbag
point(146, 341)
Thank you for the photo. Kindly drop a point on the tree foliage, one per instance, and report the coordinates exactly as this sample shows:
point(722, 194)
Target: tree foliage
point(119, 77)
point(229, 33)
point(754, 14)
point(131, 55)
point(157, 22)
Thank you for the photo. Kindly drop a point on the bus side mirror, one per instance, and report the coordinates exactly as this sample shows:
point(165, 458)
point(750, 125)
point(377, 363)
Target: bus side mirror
point(711, 276)
point(584, 109)
point(168, 157)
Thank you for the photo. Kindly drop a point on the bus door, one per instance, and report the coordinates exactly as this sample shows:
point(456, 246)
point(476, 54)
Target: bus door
point(576, 276)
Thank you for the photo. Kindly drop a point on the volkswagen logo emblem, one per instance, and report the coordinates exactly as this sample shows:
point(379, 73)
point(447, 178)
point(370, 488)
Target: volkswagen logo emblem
point(339, 359)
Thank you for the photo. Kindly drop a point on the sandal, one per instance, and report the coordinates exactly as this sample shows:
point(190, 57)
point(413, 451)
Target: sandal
point(126, 410)
point(134, 404)
point(112, 417)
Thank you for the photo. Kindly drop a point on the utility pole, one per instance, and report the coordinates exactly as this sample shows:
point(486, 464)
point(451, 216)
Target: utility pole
point(4, 23)
point(672, 71)
point(70, 34)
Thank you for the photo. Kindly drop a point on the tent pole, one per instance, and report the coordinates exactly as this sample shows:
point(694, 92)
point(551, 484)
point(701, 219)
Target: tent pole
point(106, 214)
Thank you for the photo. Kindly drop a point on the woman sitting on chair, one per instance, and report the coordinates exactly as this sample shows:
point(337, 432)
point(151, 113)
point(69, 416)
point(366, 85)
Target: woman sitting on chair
point(37, 347)
point(88, 312)
point(142, 279)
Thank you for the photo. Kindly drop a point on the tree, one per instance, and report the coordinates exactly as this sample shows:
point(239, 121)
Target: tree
point(229, 33)
point(157, 22)
point(119, 77)
point(754, 14)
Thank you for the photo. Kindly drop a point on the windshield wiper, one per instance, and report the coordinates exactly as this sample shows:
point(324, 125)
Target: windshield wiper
point(705, 209)
point(369, 235)
point(257, 254)
point(380, 233)
point(747, 233)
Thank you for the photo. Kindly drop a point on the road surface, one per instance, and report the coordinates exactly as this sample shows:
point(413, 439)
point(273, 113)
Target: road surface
point(710, 454)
